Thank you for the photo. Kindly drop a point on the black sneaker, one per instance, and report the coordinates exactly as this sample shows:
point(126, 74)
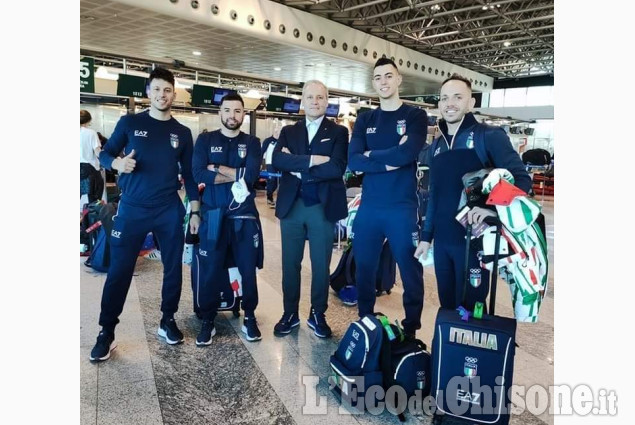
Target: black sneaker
point(317, 322)
point(250, 329)
point(208, 330)
point(105, 344)
point(286, 323)
point(169, 331)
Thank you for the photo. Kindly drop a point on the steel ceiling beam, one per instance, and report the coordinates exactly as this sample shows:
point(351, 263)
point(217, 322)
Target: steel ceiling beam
point(500, 34)
point(407, 8)
point(471, 46)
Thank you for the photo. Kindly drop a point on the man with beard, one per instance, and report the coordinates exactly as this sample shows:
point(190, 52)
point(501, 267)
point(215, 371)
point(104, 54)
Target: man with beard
point(228, 162)
point(464, 146)
point(153, 144)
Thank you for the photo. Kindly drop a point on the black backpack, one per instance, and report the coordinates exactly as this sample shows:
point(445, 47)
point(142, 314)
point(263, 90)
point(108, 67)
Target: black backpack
point(344, 274)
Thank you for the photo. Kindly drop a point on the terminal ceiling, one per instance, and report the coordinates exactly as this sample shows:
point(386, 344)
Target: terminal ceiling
point(458, 32)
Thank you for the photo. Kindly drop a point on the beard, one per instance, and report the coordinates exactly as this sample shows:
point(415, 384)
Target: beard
point(236, 124)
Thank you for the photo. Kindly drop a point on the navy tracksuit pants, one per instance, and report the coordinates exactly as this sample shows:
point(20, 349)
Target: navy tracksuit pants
point(449, 266)
point(447, 171)
point(131, 225)
point(242, 239)
point(400, 225)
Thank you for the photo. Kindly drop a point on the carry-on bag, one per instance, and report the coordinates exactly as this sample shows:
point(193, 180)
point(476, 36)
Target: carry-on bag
point(473, 356)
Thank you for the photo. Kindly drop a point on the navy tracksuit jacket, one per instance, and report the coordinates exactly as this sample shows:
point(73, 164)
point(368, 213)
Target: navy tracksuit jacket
point(447, 167)
point(149, 203)
point(240, 234)
point(389, 206)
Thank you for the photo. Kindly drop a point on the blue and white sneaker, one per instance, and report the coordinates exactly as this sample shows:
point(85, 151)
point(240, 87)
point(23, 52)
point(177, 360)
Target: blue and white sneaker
point(348, 295)
point(317, 322)
point(286, 323)
point(104, 345)
point(250, 329)
point(169, 331)
point(208, 330)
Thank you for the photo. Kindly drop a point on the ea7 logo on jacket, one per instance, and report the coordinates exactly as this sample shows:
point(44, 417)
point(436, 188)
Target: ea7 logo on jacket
point(473, 339)
point(116, 234)
point(216, 149)
point(371, 130)
point(140, 133)
point(472, 398)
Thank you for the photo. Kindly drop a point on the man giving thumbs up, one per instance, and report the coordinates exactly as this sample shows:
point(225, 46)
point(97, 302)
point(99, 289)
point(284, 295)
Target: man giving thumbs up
point(153, 144)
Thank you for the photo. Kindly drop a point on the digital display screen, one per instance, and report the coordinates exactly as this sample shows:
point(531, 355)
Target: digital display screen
point(131, 85)
point(333, 110)
point(202, 95)
point(219, 94)
point(432, 120)
point(291, 105)
point(275, 103)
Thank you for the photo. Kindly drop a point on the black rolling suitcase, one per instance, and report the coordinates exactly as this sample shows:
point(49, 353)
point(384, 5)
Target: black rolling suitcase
point(473, 359)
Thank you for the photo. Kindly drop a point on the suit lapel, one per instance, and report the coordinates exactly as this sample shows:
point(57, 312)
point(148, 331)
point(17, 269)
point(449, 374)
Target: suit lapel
point(303, 138)
point(321, 133)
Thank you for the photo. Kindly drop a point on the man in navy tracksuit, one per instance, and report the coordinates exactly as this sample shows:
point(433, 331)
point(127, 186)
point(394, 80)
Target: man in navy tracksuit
point(228, 162)
point(385, 145)
point(464, 146)
point(153, 144)
point(268, 145)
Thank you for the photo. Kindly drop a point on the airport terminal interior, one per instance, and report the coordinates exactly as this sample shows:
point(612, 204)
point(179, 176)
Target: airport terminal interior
point(264, 50)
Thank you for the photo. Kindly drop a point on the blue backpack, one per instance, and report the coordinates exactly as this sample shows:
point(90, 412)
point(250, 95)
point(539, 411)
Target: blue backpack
point(375, 352)
point(100, 255)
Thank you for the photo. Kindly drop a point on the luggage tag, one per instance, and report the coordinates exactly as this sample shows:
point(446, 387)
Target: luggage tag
point(386, 324)
point(478, 310)
point(464, 313)
point(235, 285)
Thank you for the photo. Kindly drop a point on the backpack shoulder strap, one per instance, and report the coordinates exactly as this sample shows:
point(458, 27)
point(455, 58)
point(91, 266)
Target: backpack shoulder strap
point(479, 146)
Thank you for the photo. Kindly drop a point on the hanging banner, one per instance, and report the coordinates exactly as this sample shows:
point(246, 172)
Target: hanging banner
point(87, 75)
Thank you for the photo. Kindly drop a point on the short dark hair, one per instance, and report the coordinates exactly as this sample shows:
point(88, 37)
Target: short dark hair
point(161, 74)
point(232, 96)
point(84, 117)
point(385, 61)
point(458, 77)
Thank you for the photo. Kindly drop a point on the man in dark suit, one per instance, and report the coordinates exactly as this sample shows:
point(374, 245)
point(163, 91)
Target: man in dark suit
point(312, 157)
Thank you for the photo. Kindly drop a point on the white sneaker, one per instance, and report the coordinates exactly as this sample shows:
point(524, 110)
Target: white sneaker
point(155, 254)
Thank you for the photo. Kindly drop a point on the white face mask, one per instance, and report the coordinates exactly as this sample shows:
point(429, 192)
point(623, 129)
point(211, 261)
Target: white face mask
point(240, 191)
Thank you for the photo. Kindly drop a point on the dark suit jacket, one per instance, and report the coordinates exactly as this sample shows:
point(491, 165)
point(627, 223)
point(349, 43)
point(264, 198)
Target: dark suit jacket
point(330, 140)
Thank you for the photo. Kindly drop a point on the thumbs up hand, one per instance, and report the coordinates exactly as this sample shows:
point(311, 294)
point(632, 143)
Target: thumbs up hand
point(126, 164)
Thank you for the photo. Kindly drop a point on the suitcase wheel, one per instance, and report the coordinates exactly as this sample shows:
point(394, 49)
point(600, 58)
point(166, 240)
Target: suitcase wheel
point(389, 291)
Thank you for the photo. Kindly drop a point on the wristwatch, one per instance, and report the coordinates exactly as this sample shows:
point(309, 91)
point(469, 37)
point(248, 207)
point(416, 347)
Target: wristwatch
point(198, 213)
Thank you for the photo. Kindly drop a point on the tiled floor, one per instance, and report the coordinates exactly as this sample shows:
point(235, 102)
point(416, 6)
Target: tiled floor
point(237, 382)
